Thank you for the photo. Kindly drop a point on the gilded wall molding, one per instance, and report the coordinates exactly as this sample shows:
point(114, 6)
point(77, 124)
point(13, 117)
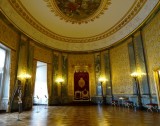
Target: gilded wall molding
point(49, 79)
point(33, 76)
point(13, 66)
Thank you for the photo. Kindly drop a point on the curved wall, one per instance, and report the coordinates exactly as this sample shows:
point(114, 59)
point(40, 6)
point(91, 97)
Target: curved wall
point(122, 83)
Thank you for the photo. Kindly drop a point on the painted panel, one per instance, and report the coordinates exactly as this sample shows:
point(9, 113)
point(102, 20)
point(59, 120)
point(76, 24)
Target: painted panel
point(55, 73)
point(132, 63)
point(107, 73)
point(65, 74)
point(97, 60)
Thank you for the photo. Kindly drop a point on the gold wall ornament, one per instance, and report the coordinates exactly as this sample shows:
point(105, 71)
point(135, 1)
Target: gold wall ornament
point(81, 82)
point(81, 68)
point(78, 11)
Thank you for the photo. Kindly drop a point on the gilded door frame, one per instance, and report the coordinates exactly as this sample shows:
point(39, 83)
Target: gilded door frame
point(157, 85)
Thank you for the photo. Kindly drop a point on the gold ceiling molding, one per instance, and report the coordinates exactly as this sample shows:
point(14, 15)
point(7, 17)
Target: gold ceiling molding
point(21, 10)
point(78, 11)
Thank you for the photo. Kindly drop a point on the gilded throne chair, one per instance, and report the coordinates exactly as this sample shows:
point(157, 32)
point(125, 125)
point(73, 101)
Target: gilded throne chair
point(78, 95)
point(85, 94)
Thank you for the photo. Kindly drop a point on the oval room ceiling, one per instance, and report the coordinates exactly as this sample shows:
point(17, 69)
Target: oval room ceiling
point(77, 25)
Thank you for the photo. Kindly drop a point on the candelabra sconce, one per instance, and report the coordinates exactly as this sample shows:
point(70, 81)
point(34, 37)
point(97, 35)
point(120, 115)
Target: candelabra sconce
point(60, 81)
point(135, 75)
point(24, 77)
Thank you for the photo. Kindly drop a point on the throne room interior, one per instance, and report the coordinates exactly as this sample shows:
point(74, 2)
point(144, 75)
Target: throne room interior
point(86, 52)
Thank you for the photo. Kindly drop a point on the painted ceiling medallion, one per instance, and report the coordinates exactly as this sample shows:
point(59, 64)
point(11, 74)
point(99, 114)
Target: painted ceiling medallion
point(78, 11)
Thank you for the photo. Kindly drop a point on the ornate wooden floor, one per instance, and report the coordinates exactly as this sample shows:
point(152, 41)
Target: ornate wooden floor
point(81, 116)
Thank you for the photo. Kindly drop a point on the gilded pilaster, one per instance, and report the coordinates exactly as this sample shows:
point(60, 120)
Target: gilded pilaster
point(49, 78)
point(13, 66)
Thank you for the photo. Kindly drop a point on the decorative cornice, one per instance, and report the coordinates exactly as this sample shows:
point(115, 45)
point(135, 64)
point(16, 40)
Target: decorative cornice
point(17, 5)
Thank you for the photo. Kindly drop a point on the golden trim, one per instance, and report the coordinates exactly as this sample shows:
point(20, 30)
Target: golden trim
point(17, 5)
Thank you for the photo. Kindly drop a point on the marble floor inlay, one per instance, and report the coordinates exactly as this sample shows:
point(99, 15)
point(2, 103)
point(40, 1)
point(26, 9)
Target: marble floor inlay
point(80, 116)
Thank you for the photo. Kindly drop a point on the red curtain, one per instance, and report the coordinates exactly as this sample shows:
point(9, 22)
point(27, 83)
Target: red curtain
point(81, 85)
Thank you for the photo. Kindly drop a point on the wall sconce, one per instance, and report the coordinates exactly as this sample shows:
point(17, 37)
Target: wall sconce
point(102, 79)
point(59, 80)
point(24, 76)
point(135, 75)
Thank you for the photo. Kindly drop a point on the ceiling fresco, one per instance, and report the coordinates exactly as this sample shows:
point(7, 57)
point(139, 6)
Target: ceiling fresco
point(79, 11)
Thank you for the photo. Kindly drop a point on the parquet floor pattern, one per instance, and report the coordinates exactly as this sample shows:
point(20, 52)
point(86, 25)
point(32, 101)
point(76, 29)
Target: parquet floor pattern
point(81, 116)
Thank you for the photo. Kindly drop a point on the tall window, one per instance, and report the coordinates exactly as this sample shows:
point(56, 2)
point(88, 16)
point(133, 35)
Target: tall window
point(3, 55)
point(40, 90)
point(4, 76)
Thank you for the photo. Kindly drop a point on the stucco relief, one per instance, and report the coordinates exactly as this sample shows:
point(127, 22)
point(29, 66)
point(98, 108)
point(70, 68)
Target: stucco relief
point(81, 60)
point(7, 36)
point(120, 68)
point(43, 54)
point(151, 37)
